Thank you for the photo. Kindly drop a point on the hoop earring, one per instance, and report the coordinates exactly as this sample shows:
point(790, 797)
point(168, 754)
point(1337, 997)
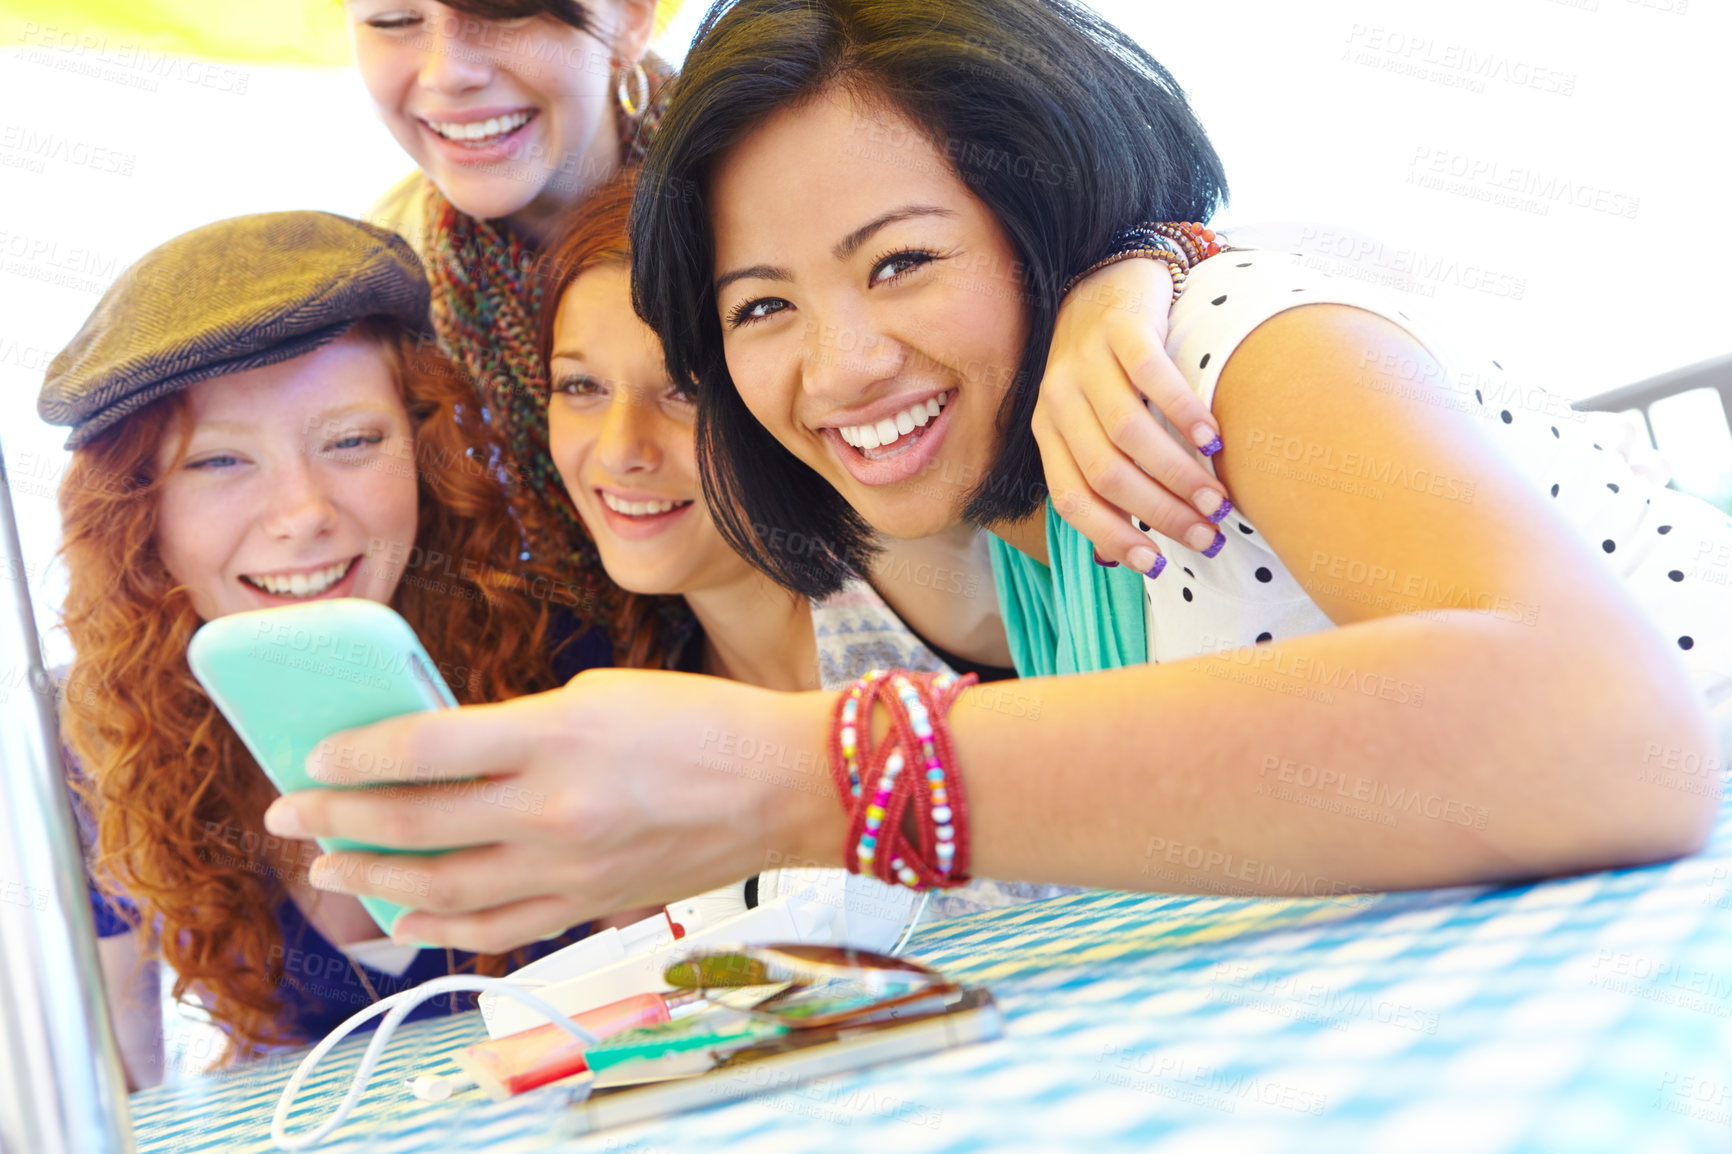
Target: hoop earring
point(633, 104)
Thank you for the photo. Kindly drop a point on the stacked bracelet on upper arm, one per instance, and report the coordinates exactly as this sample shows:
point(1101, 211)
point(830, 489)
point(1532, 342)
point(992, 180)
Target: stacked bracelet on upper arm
point(873, 784)
point(1179, 245)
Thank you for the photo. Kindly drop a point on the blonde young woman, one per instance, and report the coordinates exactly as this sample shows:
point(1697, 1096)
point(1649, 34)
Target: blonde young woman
point(512, 110)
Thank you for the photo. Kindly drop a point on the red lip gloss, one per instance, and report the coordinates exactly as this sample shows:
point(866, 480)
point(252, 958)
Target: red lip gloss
point(532, 1058)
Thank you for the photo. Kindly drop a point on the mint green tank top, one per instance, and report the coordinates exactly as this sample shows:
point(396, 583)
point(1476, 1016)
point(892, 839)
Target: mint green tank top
point(1071, 616)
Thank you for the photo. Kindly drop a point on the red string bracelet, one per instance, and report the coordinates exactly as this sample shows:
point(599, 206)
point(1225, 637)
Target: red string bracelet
point(915, 765)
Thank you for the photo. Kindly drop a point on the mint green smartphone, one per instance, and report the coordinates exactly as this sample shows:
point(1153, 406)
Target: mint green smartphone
point(289, 677)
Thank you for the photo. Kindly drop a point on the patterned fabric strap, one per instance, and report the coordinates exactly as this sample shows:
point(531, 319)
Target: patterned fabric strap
point(486, 310)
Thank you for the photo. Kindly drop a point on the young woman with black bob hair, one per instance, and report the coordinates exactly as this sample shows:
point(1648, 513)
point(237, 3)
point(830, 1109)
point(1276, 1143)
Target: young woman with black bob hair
point(860, 275)
point(1009, 96)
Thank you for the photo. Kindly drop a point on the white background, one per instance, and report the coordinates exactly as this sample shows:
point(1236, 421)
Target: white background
point(1394, 120)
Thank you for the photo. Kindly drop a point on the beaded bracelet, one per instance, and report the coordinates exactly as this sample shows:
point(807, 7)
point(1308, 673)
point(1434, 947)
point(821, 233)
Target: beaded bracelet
point(880, 781)
point(1174, 266)
point(1180, 245)
point(876, 816)
point(1196, 241)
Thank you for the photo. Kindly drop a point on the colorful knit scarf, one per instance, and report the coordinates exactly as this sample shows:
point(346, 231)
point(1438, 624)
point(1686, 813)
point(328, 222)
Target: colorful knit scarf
point(486, 310)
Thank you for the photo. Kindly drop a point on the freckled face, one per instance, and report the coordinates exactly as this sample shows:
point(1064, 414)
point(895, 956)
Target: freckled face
point(622, 438)
point(871, 306)
point(298, 484)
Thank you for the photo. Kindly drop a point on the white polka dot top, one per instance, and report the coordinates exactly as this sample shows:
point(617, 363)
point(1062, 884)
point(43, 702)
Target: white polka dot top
point(1673, 552)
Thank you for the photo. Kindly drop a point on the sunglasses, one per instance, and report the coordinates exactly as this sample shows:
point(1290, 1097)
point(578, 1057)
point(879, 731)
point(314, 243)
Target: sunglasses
point(805, 987)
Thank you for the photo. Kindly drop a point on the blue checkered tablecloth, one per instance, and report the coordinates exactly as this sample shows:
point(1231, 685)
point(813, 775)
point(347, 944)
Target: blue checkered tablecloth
point(1574, 1016)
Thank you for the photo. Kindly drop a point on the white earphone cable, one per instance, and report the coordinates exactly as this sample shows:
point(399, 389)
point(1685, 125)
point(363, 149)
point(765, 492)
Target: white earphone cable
point(399, 1006)
point(908, 931)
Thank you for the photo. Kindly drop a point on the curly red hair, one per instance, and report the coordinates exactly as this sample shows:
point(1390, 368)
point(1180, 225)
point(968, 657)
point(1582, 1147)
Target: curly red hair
point(178, 802)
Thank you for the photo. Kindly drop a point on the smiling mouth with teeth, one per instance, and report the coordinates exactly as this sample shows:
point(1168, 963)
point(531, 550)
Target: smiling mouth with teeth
point(300, 584)
point(896, 433)
point(639, 508)
point(480, 133)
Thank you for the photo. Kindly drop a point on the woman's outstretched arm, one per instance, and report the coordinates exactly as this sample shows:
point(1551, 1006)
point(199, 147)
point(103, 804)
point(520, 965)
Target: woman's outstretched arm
point(1416, 745)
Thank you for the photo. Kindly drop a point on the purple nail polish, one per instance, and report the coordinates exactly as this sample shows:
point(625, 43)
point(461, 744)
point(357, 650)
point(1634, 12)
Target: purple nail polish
point(1215, 517)
point(1220, 543)
point(1213, 447)
point(1105, 564)
point(1155, 569)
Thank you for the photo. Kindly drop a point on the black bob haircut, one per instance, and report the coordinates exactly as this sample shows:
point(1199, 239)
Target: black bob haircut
point(1058, 122)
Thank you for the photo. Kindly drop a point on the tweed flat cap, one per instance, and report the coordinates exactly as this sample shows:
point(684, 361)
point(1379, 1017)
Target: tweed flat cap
point(238, 294)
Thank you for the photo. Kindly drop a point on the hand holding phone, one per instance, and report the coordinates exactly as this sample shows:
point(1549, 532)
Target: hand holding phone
point(623, 788)
point(287, 678)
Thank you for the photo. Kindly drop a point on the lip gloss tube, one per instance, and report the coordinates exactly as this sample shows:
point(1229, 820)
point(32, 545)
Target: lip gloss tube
point(523, 1061)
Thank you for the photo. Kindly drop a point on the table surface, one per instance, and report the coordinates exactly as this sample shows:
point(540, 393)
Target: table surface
point(1585, 1014)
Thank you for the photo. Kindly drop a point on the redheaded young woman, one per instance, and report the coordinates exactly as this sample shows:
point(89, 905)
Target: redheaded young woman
point(257, 421)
